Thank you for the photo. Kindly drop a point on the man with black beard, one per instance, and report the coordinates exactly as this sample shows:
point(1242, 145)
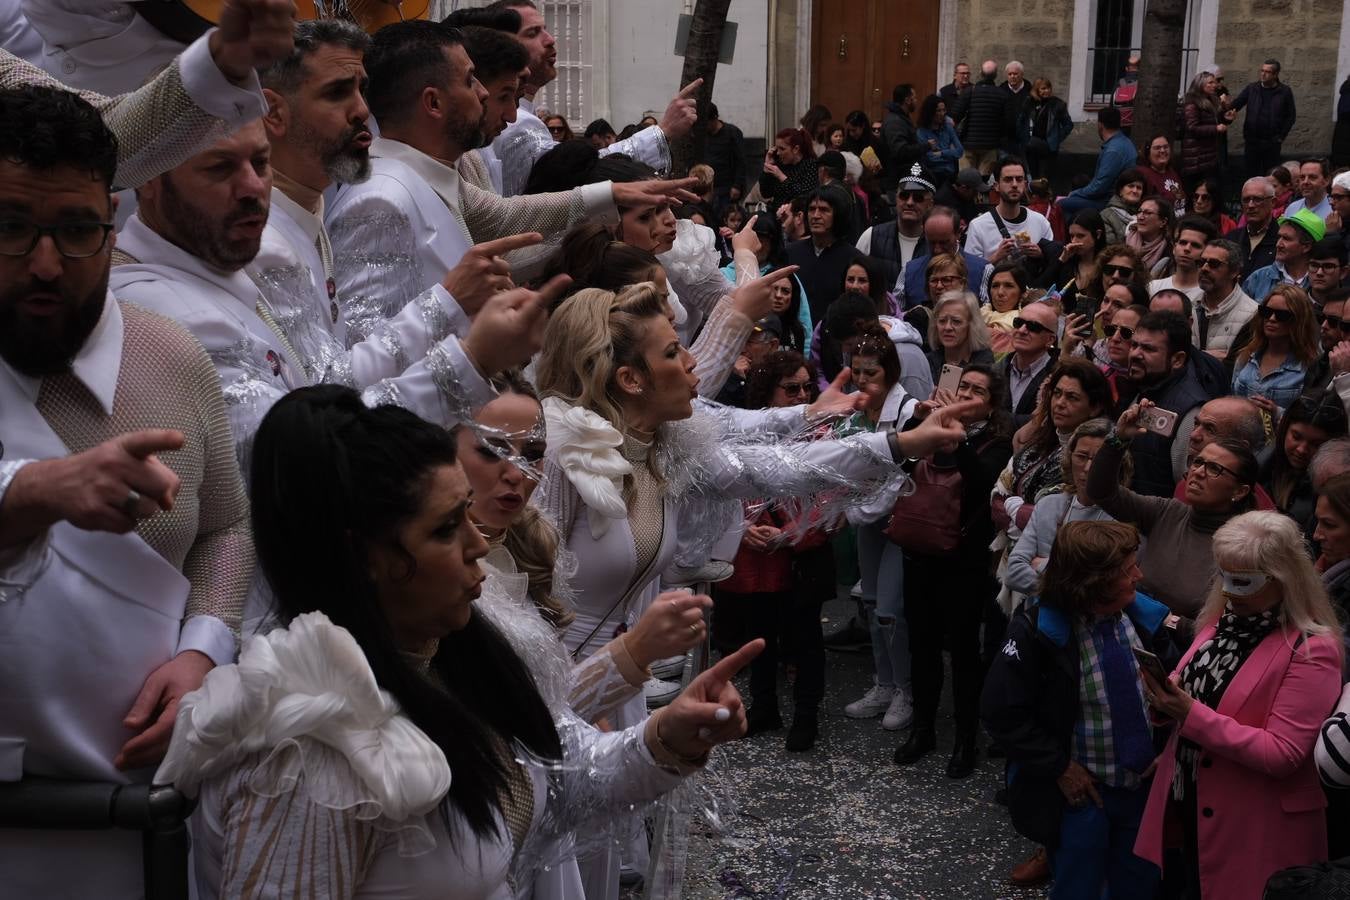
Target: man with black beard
point(397, 233)
point(123, 572)
point(184, 255)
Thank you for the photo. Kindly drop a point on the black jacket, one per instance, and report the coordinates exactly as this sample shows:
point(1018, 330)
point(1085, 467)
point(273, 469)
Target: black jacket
point(1022, 411)
point(1152, 453)
point(725, 152)
point(1270, 112)
point(822, 277)
point(900, 138)
point(1262, 256)
point(884, 248)
point(1030, 705)
point(983, 113)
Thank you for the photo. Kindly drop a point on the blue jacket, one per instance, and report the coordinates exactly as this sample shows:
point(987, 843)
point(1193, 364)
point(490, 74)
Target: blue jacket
point(1118, 154)
point(915, 287)
point(1258, 284)
point(949, 152)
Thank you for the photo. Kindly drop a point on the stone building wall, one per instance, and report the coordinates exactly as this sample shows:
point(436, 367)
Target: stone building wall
point(1304, 36)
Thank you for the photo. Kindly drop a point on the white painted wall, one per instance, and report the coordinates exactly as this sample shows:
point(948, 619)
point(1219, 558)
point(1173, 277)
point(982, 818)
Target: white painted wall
point(644, 71)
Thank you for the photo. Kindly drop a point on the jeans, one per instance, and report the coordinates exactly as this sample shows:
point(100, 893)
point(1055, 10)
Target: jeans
point(1095, 856)
point(945, 602)
point(1070, 206)
point(882, 569)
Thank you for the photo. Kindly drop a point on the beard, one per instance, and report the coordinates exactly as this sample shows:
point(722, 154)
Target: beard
point(206, 235)
point(345, 163)
point(466, 134)
point(38, 346)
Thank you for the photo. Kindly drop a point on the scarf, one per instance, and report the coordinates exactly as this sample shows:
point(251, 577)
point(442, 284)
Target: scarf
point(1212, 669)
point(1151, 252)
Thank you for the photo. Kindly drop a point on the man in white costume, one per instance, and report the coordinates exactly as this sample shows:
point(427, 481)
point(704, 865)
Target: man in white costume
point(399, 231)
point(500, 64)
point(513, 153)
point(125, 552)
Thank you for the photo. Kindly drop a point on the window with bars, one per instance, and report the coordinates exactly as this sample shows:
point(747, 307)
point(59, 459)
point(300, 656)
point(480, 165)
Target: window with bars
point(1116, 31)
point(570, 22)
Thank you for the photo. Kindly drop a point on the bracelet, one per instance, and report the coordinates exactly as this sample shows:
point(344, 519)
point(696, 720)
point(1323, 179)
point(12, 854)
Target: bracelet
point(694, 761)
point(1117, 442)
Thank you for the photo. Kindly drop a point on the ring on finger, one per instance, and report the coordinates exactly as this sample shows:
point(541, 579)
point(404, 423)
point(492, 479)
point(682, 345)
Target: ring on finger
point(131, 504)
point(694, 629)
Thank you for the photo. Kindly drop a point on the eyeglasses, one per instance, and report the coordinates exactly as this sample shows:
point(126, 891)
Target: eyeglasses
point(1213, 263)
point(1033, 327)
point(1118, 271)
point(1213, 469)
point(945, 279)
point(1340, 196)
point(1256, 201)
point(1323, 266)
point(794, 388)
point(1083, 458)
point(1125, 333)
point(1146, 212)
point(557, 129)
point(74, 240)
point(1284, 316)
point(1342, 325)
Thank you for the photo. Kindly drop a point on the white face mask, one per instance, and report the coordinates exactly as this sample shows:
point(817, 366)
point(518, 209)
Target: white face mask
point(1244, 583)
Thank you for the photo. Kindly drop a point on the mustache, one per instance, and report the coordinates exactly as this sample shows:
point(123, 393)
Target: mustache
point(247, 208)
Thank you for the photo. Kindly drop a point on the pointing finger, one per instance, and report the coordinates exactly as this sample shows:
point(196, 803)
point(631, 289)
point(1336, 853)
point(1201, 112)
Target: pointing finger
point(690, 89)
point(507, 244)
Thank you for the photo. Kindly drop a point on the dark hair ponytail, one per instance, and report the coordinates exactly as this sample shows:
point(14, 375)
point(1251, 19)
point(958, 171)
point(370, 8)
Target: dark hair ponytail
point(331, 478)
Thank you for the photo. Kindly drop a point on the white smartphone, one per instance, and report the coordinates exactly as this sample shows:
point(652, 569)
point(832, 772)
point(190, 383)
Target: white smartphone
point(950, 378)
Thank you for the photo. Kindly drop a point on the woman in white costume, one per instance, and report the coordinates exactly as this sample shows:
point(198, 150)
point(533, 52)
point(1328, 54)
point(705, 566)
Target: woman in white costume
point(324, 758)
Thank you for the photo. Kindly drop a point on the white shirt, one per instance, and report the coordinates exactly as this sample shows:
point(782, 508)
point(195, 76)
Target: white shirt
point(98, 46)
point(983, 235)
point(907, 245)
point(1196, 292)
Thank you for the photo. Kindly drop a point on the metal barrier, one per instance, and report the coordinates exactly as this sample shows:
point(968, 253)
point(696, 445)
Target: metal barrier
point(157, 811)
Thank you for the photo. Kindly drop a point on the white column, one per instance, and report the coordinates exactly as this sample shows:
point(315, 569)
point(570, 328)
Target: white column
point(946, 57)
point(1078, 73)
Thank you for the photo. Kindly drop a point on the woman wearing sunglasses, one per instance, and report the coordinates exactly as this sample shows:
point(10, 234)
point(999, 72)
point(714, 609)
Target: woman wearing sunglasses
point(1271, 369)
point(1219, 485)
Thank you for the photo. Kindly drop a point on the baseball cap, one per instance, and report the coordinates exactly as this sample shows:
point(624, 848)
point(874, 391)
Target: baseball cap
point(970, 177)
point(1309, 221)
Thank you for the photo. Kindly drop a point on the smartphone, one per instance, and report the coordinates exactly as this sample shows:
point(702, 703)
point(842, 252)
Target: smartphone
point(1150, 663)
point(1158, 420)
point(950, 378)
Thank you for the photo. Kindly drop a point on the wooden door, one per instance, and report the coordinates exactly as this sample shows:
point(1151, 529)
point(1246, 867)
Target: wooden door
point(861, 49)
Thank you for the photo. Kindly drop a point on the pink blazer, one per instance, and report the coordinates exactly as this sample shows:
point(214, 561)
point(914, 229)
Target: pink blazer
point(1261, 807)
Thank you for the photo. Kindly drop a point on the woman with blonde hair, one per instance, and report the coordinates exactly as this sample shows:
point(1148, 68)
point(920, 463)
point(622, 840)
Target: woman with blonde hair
point(1276, 359)
point(957, 333)
point(1248, 700)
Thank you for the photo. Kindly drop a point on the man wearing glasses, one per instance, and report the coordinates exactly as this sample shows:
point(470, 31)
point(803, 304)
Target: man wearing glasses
point(1225, 307)
point(1256, 239)
point(1339, 220)
point(893, 244)
point(1326, 269)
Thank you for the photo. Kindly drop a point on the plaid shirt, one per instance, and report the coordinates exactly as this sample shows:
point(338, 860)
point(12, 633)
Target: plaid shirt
point(1093, 746)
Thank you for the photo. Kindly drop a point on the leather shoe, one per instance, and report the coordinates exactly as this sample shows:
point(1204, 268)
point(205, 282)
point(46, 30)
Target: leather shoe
point(802, 735)
point(920, 743)
point(1034, 871)
point(962, 761)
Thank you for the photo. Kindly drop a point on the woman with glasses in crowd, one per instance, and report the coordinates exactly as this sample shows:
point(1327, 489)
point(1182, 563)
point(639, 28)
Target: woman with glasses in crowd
point(558, 128)
point(1237, 778)
point(957, 333)
point(1219, 485)
point(1271, 368)
point(1161, 179)
point(1150, 234)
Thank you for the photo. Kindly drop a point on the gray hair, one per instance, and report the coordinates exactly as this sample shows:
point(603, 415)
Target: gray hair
point(945, 212)
point(286, 75)
point(977, 336)
point(1332, 459)
point(1014, 64)
point(1263, 182)
point(1249, 427)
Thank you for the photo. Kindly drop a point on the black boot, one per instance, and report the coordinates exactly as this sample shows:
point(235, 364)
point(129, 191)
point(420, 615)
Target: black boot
point(802, 735)
point(921, 741)
point(962, 761)
point(763, 716)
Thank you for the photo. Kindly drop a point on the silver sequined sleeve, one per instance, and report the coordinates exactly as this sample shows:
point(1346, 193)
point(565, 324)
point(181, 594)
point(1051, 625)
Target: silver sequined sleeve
point(186, 108)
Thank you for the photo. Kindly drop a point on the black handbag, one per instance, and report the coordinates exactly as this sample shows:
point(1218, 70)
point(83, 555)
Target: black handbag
point(1036, 806)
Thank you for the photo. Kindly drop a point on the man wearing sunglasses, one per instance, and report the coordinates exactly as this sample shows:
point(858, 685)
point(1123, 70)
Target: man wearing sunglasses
point(1334, 332)
point(1029, 363)
point(893, 244)
point(1225, 308)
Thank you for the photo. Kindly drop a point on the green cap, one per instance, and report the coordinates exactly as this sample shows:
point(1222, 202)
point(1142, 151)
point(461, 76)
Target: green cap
point(1309, 221)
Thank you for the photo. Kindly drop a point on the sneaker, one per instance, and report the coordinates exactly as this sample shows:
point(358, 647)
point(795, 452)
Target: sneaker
point(671, 669)
point(900, 713)
point(658, 692)
point(873, 703)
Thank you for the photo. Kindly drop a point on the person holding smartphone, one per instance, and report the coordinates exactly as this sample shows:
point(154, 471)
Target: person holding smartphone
point(1063, 699)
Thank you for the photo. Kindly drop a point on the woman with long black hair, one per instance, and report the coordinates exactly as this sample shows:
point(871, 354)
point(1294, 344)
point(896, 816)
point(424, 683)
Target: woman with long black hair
point(324, 758)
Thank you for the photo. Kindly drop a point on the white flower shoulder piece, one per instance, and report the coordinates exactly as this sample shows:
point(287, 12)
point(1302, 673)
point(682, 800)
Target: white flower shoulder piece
point(296, 687)
point(586, 447)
